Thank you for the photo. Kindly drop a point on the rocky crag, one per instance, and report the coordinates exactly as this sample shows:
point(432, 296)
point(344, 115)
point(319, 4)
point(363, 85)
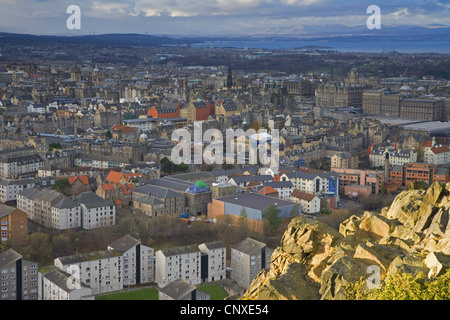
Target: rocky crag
point(315, 261)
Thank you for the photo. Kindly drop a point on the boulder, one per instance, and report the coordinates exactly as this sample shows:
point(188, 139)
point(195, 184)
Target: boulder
point(335, 277)
point(293, 284)
point(309, 241)
point(410, 263)
point(378, 254)
point(437, 262)
point(377, 225)
point(349, 226)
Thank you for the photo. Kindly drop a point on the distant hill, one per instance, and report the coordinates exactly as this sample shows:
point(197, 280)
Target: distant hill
point(130, 39)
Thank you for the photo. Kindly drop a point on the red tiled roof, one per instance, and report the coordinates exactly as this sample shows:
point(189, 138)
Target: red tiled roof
point(267, 190)
point(113, 176)
point(438, 150)
point(302, 195)
point(84, 179)
point(121, 127)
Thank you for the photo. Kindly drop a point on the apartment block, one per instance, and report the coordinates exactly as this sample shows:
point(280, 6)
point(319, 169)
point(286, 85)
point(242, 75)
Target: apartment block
point(248, 258)
point(180, 262)
point(9, 188)
point(13, 167)
point(96, 212)
point(357, 177)
point(54, 286)
point(213, 261)
point(437, 155)
point(100, 270)
point(138, 260)
point(19, 277)
point(13, 225)
point(377, 157)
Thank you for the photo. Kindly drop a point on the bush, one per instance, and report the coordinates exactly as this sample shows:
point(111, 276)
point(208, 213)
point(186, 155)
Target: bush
point(404, 286)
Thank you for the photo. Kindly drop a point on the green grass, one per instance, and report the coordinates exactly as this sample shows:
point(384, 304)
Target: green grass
point(141, 294)
point(215, 291)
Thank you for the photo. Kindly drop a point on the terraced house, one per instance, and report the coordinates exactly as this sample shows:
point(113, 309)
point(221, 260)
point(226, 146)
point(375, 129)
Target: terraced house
point(13, 167)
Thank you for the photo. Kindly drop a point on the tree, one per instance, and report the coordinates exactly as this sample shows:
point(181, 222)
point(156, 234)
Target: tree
point(182, 167)
point(108, 134)
point(255, 125)
point(54, 145)
point(63, 186)
point(271, 218)
point(243, 217)
point(167, 165)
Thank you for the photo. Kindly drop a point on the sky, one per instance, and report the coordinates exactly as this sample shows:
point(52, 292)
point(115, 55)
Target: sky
point(213, 17)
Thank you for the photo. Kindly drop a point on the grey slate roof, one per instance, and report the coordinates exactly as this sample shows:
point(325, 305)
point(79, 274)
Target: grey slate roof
point(92, 200)
point(89, 256)
point(214, 245)
point(65, 203)
point(177, 289)
point(156, 191)
point(8, 257)
point(5, 210)
point(243, 179)
point(255, 201)
point(59, 278)
point(10, 182)
point(249, 246)
point(124, 243)
point(29, 193)
point(180, 250)
point(279, 184)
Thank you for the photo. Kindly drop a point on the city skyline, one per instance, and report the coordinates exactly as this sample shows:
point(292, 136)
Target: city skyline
point(203, 18)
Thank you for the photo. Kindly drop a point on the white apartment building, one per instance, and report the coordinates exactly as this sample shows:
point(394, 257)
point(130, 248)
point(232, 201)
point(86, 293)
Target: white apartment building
point(96, 212)
point(9, 188)
point(396, 157)
point(12, 167)
point(213, 261)
point(313, 182)
point(180, 262)
point(100, 270)
point(25, 201)
point(66, 214)
point(437, 155)
point(54, 286)
point(138, 260)
point(143, 124)
point(309, 203)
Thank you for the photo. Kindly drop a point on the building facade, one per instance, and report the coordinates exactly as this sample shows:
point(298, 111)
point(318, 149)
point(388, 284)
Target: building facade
point(19, 277)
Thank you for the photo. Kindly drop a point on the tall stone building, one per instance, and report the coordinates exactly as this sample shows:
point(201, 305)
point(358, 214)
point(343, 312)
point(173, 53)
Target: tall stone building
point(381, 102)
point(422, 109)
point(339, 95)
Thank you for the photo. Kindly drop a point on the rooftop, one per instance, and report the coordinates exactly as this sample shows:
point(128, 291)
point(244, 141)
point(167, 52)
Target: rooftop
point(255, 201)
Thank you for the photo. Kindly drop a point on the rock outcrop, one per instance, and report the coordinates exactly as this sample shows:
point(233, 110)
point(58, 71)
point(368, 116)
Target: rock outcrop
point(315, 261)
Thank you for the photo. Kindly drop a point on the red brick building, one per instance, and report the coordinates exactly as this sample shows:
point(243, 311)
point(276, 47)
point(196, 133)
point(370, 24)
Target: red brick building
point(13, 225)
point(167, 112)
